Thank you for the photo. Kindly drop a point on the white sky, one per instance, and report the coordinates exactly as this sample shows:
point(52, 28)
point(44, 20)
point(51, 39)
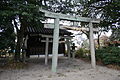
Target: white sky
point(0, 30)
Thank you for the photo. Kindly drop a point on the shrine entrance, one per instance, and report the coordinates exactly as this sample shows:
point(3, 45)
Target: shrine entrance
point(57, 17)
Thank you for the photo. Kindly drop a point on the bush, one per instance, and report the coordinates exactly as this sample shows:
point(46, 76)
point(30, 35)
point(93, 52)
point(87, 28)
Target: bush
point(79, 53)
point(82, 53)
point(109, 55)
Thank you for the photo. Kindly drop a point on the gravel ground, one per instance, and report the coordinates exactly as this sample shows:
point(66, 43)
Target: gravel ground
point(67, 70)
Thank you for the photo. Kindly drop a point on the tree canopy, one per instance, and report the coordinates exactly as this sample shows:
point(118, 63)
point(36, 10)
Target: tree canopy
point(20, 14)
point(108, 11)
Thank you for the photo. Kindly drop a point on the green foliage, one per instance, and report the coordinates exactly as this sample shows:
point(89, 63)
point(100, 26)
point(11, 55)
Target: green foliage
point(109, 55)
point(27, 9)
point(20, 12)
point(7, 37)
point(109, 11)
point(81, 53)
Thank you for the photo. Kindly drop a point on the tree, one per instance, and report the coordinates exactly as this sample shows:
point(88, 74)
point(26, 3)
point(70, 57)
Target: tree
point(23, 12)
point(108, 11)
point(7, 37)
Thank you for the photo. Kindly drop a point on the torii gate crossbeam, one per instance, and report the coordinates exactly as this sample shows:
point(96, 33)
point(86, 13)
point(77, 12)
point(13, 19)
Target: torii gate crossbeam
point(58, 17)
point(53, 15)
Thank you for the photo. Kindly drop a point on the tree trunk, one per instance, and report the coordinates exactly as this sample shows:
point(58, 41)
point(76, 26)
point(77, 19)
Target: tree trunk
point(98, 41)
point(18, 46)
point(20, 36)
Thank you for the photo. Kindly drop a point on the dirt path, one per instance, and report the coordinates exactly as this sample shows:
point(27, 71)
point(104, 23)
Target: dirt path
point(67, 70)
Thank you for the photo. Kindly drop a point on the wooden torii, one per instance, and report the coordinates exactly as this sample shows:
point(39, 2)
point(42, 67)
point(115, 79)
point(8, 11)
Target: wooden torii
point(57, 17)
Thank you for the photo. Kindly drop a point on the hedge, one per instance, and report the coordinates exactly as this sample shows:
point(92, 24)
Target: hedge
point(109, 55)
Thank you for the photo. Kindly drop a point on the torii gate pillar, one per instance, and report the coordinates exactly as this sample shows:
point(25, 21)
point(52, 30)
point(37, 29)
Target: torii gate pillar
point(55, 45)
point(92, 48)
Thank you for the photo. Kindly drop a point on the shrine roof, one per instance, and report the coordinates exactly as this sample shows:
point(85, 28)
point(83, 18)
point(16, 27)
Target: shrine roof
point(45, 31)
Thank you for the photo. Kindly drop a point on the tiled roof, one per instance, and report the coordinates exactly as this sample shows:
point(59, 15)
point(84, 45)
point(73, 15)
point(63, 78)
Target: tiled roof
point(46, 31)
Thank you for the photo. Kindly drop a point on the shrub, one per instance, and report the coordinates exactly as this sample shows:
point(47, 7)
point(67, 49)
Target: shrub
point(82, 53)
point(109, 55)
point(79, 53)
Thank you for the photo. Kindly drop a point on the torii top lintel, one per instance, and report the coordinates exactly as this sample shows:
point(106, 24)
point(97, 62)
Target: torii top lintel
point(68, 17)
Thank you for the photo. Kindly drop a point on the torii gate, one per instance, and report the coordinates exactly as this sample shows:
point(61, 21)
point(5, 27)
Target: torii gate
point(57, 17)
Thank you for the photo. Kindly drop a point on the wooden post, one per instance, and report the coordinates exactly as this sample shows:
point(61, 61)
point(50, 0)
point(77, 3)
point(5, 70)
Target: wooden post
point(24, 50)
point(26, 41)
point(73, 54)
point(55, 45)
point(46, 51)
point(92, 48)
point(68, 47)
